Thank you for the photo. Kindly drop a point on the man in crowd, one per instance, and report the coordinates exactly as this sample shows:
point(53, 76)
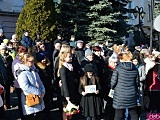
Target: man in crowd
point(26, 40)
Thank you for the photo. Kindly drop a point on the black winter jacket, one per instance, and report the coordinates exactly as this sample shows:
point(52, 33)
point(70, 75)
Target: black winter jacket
point(125, 82)
point(68, 84)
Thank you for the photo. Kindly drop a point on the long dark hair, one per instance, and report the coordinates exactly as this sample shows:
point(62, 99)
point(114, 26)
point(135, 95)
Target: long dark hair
point(83, 80)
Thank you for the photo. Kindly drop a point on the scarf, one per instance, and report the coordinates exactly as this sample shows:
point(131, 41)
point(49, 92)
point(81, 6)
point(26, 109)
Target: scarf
point(137, 66)
point(68, 65)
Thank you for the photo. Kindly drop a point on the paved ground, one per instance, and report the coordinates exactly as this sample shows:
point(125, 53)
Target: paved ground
point(13, 114)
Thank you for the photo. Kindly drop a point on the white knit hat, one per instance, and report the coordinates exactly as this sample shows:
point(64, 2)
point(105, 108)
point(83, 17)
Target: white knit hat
point(2, 46)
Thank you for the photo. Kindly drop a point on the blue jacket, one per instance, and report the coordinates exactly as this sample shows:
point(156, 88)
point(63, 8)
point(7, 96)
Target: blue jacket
point(30, 83)
point(27, 41)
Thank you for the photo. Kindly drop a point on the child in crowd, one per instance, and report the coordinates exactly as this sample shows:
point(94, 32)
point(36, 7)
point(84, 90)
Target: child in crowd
point(91, 103)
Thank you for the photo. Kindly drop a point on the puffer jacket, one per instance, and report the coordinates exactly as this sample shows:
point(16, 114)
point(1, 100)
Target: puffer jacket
point(125, 82)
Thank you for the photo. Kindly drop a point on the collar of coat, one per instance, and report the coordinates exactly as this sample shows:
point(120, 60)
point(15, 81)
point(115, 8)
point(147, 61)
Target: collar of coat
point(41, 66)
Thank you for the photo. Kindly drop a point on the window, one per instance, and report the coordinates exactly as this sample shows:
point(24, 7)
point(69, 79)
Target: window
point(149, 13)
point(130, 7)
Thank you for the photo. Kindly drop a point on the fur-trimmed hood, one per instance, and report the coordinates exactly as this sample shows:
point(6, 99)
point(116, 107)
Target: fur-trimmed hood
point(41, 66)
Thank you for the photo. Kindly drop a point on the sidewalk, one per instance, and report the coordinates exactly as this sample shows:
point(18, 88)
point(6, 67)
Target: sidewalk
point(13, 113)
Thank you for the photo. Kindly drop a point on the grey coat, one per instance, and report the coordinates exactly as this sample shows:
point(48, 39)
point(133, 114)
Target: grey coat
point(125, 82)
point(30, 83)
point(142, 76)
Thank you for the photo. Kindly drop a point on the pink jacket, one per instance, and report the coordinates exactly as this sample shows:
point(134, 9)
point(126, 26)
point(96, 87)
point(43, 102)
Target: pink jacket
point(16, 66)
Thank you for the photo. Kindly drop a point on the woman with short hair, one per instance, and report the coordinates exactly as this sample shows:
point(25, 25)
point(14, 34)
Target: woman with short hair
point(125, 82)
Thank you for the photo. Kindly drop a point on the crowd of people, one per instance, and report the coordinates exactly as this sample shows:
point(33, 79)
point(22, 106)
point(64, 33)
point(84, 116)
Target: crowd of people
point(106, 80)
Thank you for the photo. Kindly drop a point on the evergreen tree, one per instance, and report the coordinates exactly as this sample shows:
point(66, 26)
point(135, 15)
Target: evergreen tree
point(66, 14)
point(157, 8)
point(37, 16)
point(102, 19)
point(81, 20)
point(121, 26)
point(73, 19)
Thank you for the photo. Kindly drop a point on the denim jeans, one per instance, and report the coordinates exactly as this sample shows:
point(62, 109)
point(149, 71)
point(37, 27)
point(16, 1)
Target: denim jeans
point(120, 114)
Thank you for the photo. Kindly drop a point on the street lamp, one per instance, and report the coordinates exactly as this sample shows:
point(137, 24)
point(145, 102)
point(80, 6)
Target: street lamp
point(139, 12)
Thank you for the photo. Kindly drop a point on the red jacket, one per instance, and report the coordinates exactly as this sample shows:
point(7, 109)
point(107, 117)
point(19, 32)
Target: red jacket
point(152, 81)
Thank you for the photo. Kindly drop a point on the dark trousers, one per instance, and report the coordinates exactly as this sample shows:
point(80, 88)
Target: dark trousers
point(2, 113)
point(36, 116)
point(18, 92)
point(6, 95)
point(120, 114)
point(154, 104)
point(109, 112)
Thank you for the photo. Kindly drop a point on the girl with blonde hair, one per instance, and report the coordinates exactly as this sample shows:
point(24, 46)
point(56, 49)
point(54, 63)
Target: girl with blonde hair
point(30, 83)
point(65, 71)
point(64, 48)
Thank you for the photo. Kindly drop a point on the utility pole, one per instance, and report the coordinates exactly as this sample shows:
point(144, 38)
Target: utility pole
point(152, 18)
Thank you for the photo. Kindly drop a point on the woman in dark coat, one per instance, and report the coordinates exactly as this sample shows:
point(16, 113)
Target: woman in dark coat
point(68, 89)
point(125, 82)
point(7, 60)
point(45, 72)
point(109, 110)
point(77, 71)
point(100, 64)
point(91, 103)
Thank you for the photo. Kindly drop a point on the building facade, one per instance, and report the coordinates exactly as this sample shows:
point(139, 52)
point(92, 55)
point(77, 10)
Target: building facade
point(9, 12)
point(10, 9)
point(141, 22)
point(146, 6)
